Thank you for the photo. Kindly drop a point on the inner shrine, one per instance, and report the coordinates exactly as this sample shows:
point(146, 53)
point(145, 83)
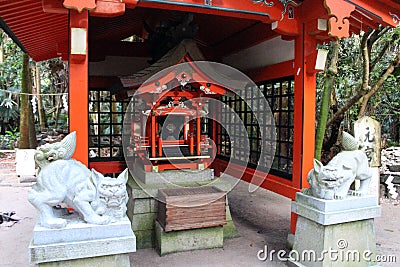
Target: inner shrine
point(115, 48)
point(169, 111)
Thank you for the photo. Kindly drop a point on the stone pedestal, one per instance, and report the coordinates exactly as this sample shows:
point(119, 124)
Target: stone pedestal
point(142, 207)
point(374, 187)
point(186, 240)
point(83, 244)
point(335, 232)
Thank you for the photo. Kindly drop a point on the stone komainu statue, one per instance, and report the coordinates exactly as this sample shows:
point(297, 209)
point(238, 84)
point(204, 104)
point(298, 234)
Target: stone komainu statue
point(333, 181)
point(99, 199)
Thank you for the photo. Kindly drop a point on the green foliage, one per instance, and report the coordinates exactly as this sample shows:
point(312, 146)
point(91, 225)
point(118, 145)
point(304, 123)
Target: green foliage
point(384, 105)
point(8, 107)
point(9, 140)
point(10, 80)
point(53, 79)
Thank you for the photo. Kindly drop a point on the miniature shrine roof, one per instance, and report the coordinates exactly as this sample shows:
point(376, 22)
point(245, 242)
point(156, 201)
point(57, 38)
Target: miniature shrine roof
point(173, 57)
point(186, 51)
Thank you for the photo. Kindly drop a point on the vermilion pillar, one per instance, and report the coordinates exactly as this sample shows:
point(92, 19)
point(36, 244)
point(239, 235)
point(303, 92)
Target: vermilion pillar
point(304, 111)
point(78, 88)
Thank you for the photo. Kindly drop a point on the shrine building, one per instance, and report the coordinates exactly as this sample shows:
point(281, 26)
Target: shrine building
point(113, 46)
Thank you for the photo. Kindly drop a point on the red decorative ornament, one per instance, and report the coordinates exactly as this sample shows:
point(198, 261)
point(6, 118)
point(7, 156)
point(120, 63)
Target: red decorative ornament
point(339, 15)
point(80, 4)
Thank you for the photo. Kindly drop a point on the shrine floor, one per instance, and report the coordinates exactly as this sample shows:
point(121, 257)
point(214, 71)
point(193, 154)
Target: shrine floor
point(262, 218)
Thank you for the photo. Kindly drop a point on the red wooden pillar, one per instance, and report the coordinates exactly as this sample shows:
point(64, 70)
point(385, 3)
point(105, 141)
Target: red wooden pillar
point(185, 129)
point(153, 136)
point(304, 111)
point(78, 89)
point(198, 134)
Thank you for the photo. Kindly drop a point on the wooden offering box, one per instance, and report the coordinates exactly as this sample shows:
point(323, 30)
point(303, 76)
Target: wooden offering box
point(191, 207)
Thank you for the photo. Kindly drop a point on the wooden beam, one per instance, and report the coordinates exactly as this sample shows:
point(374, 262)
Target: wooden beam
point(253, 35)
point(228, 8)
point(102, 82)
point(380, 11)
point(108, 167)
point(101, 49)
point(108, 9)
point(54, 6)
point(104, 8)
point(279, 70)
point(80, 5)
point(286, 27)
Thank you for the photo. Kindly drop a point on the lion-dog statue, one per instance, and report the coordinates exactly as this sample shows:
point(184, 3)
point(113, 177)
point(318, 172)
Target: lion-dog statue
point(333, 181)
point(99, 199)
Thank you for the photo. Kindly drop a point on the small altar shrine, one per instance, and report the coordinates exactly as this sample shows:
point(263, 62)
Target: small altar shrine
point(168, 111)
point(172, 154)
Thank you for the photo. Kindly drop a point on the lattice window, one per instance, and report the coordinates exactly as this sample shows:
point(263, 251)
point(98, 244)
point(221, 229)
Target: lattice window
point(106, 115)
point(280, 96)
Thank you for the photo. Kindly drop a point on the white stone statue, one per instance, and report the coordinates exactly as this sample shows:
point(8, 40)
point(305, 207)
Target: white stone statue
point(99, 199)
point(333, 181)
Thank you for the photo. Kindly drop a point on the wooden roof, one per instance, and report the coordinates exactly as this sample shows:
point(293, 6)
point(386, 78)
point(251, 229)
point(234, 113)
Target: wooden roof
point(40, 27)
point(39, 33)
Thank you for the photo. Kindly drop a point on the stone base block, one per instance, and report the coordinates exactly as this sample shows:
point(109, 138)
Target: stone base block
point(290, 241)
point(79, 240)
point(145, 239)
point(339, 245)
point(230, 230)
point(185, 240)
point(121, 260)
point(143, 221)
point(335, 232)
point(328, 212)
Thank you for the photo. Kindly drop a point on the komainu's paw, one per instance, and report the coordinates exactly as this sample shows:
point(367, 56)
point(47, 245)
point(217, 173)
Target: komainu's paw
point(339, 197)
point(55, 223)
point(355, 193)
point(306, 191)
point(99, 220)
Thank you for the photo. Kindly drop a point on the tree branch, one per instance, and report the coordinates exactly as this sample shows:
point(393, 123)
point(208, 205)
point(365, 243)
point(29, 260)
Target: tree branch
point(395, 62)
point(338, 116)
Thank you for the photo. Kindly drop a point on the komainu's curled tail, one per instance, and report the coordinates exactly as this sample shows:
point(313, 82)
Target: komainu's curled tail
point(51, 152)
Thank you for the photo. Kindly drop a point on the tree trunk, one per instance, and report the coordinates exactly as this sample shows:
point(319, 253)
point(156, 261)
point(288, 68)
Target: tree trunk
point(24, 115)
point(27, 123)
point(42, 120)
point(339, 115)
point(57, 113)
point(325, 101)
